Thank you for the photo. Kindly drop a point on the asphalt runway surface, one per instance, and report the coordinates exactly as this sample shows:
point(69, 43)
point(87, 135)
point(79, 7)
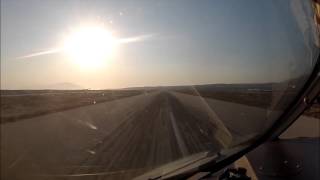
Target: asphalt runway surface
point(123, 138)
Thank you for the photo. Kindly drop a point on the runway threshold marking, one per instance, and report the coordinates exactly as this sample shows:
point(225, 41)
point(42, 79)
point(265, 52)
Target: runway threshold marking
point(181, 144)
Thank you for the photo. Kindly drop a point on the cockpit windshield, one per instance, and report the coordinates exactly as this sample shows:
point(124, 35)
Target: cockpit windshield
point(115, 89)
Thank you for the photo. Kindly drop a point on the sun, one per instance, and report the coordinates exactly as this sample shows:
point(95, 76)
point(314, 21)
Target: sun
point(90, 47)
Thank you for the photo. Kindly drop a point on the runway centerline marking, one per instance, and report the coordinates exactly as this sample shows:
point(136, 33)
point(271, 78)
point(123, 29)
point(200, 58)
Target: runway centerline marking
point(177, 134)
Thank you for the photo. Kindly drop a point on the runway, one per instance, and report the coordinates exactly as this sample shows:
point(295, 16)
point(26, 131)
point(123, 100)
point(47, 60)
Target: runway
point(123, 138)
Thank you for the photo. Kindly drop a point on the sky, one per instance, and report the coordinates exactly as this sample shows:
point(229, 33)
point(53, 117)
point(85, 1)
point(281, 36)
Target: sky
point(174, 42)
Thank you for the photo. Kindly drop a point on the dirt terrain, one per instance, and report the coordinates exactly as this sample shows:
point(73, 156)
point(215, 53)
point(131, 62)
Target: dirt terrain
point(22, 104)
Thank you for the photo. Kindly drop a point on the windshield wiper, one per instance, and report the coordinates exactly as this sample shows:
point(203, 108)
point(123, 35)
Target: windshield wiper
point(190, 165)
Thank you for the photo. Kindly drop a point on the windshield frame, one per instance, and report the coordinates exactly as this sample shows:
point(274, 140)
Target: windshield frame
point(301, 102)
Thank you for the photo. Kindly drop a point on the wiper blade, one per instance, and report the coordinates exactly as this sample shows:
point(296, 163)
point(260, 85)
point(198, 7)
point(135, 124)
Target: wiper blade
point(190, 165)
point(187, 164)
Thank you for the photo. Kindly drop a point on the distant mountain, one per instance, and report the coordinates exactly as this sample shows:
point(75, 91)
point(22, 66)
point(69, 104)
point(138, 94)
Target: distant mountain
point(64, 86)
point(226, 87)
point(143, 88)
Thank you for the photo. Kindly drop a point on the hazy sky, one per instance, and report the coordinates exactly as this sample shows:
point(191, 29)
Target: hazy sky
point(188, 42)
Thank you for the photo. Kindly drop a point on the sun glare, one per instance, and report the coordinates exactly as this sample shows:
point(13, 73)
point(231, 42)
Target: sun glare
point(90, 47)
